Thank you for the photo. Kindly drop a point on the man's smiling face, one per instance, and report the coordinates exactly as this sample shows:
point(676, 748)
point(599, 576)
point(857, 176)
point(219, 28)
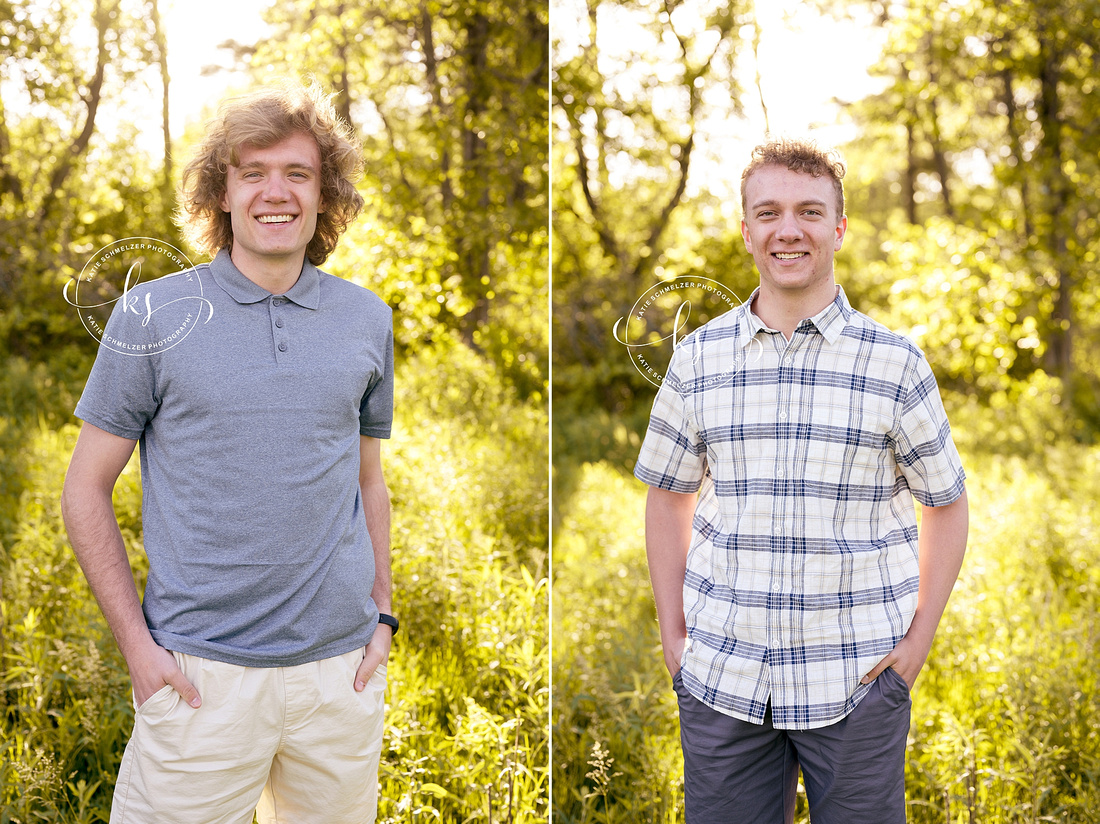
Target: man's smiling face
point(792, 229)
point(273, 196)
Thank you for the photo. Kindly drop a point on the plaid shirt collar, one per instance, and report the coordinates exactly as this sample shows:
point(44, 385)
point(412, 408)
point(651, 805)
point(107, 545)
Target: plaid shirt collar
point(830, 321)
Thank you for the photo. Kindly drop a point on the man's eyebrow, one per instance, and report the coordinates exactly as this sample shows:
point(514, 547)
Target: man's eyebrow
point(802, 203)
point(256, 164)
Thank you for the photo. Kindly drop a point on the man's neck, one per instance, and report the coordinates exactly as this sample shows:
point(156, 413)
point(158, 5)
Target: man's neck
point(784, 311)
point(276, 275)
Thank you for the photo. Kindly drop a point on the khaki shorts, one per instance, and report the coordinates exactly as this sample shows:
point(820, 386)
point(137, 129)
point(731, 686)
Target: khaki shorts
point(294, 744)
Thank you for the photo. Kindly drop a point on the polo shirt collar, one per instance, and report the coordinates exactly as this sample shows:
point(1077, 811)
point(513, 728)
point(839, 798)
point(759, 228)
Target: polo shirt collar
point(305, 292)
point(830, 321)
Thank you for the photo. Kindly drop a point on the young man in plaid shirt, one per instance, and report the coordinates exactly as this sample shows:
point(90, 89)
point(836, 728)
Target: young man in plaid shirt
point(797, 602)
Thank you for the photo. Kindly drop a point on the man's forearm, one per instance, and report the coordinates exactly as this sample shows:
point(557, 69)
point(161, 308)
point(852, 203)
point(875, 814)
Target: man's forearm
point(942, 544)
point(99, 547)
point(667, 539)
point(943, 535)
point(376, 508)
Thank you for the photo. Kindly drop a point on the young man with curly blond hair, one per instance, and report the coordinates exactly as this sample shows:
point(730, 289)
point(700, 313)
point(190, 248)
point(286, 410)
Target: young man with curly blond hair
point(258, 653)
point(797, 600)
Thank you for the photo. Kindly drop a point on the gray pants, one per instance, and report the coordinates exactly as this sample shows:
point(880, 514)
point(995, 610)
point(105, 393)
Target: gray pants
point(853, 770)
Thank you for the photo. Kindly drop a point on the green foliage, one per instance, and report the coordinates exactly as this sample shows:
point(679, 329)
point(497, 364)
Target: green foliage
point(1006, 715)
point(451, 102)
point(961, 295)
point(466, 736)
point(65, 694)
point(616, 743)
point(982, 141)
point(633, 90)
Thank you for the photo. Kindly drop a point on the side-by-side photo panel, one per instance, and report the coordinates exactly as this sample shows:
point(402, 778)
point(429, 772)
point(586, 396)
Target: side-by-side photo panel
point(825, 412)
point(274, 376)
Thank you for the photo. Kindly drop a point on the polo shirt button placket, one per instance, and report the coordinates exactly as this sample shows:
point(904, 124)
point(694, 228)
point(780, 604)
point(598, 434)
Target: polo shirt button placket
point(280, 345)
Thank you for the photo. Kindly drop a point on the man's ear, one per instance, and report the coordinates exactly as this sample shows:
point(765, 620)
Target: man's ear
point(841, 228)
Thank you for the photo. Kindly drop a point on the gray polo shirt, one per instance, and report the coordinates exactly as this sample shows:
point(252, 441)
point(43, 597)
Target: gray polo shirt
point(249, 408)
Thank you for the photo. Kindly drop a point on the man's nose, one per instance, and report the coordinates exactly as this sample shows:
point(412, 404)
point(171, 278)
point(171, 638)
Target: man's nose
point(789, 228)
point(276, 189)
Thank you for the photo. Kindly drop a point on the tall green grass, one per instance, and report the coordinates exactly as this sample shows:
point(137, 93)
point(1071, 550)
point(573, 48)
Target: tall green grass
point(467, 735)
point(1006, 714)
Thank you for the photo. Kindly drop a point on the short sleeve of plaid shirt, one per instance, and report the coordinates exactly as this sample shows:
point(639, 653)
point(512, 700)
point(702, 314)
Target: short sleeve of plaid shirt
point(802, 572)
point(675, 455)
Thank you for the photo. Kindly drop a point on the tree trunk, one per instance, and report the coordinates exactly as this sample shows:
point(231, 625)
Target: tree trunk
point(343, 85)
point(1057, 240)
point(939, 157)
point(9, 181)
point(910, 184)
point(475, 254)
point(1008, 99)
point(64, 167)
point(431, 70)
point(162, 60)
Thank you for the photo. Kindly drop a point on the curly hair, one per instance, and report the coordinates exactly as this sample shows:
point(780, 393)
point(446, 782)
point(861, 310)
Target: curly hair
point(798, 156)
point(262, 118)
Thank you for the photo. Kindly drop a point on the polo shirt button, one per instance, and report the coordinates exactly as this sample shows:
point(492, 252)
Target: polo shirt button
point(279, 322)
point(277, 302)
point(282, 347)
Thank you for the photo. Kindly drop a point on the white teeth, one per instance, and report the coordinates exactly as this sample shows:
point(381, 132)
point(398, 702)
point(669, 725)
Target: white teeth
point(789, 255)
point(275, 218)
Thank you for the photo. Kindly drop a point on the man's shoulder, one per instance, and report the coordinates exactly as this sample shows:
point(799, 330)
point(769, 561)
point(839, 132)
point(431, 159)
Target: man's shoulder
point(149, 307)
point(347, 292)
point(710, 349)
point(865, 330)
point(729, 324)
point(194, 281)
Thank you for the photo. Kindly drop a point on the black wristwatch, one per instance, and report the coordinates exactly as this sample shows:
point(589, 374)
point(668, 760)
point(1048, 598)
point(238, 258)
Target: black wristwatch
point(389, 621)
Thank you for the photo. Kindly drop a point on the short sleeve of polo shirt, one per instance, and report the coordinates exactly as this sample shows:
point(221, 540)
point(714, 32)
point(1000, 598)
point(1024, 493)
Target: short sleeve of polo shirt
point(120, 396)
point(376, 408)
point(925, 453)
point(673, 456)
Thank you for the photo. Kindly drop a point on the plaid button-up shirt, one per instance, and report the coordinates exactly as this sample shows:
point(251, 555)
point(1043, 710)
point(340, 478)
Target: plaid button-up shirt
point(802, 572)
